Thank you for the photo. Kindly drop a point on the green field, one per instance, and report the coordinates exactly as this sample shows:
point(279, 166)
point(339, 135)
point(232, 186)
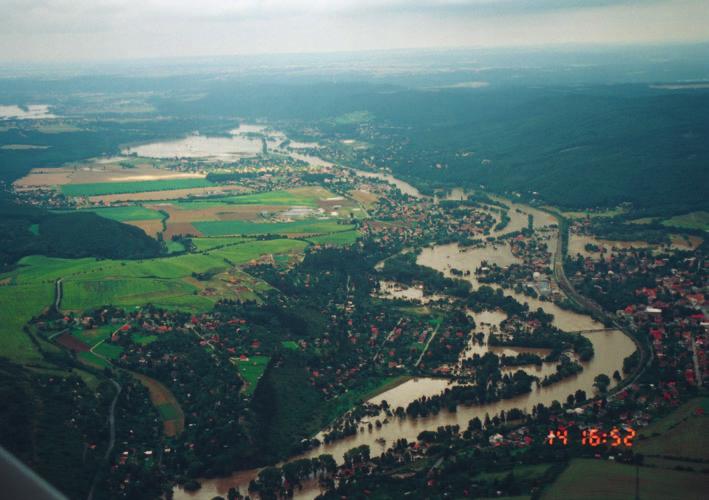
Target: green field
point(91, 359)
point(29, 289)
point(84, 294)
point(168, 411)
point(285, 198)
point(248, 251)
point(290, 344)
point(203, 244)
point(605, 480)
point(226, 227)
point(692, 220)
point(95, 335)
point(251, 371)
point(344, 238)
point(174, 247)
point(18, 303)
point(109, 351)
point(99, 188)
point(124, 214)
point(144, 339)
point(682, 433)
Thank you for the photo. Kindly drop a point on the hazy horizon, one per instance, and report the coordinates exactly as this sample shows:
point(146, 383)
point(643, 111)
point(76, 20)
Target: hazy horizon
point(41, 31)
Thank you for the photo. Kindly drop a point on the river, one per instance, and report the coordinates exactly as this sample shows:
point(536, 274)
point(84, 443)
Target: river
point(610, 346)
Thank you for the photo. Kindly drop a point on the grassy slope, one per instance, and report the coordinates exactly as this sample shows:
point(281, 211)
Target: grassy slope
point(91, 283)
point(17, 306)
point(251, 371)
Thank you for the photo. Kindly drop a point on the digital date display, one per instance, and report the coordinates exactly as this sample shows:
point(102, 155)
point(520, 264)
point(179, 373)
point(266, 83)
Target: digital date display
point(592, 436)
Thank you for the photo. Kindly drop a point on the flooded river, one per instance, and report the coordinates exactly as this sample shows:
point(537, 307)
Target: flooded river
point(610, 347)
point(403, 186)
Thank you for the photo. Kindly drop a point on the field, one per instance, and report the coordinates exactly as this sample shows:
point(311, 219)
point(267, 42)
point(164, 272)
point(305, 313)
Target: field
point(682, 434)
point(166, 404)
point(251, 371)
point(605, 480)
point(343, 238)
point(222, 228)
point(203, 244)
point(129, 213)
point(692, 220)
point(167, 282)
point(95, 335)
point(296, 197)
point(104, 188)
point(18, 303)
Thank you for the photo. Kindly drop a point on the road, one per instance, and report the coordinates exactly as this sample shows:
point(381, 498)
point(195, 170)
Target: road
point(111, 434)
point(596, 311)
point(58, 292)
point(697, 370)
point(430, 339)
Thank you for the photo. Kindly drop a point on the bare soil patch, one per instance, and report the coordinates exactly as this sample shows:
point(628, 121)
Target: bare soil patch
point(174, 228)
point(151, 227)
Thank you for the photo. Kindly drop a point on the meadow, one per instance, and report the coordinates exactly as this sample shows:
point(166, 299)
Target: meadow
point(297, 197)
point(251, 371)
point(226, 227)
point(167, 282)
point(102, 188)
point(18, 304)
point(127, 213)
point(606, 480)
point(343, 238)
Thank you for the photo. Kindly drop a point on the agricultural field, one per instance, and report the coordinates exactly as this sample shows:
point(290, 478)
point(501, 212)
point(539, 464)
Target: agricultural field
point(107, 188)
point(343, 238)
point(168, 282)
point(692, 220)
point(167, 405)
point(18, 304)
point(127, 213)
point(94, 336)
point(222, 228)
point(251, 370)
point(684, 433)
point(606, 480)
point(203, 244)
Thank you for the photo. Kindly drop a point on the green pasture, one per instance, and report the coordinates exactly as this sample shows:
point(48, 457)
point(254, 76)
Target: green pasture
point(226, 227)
point(95, 335)
point(254, 249)
point(344, 238)
point(605, 480)
point(251, 371)
point(285, 198)
point(125, 214)
point(18, 304)
point(101, 188)
point(203, 244)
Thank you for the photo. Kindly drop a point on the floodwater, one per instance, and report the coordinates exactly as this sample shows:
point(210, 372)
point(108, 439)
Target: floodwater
point(30, 112)
point(610, 347)
point(403, 186)
point(199, 146)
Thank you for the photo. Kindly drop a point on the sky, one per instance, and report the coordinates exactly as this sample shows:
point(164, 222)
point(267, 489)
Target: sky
point(104, 30)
